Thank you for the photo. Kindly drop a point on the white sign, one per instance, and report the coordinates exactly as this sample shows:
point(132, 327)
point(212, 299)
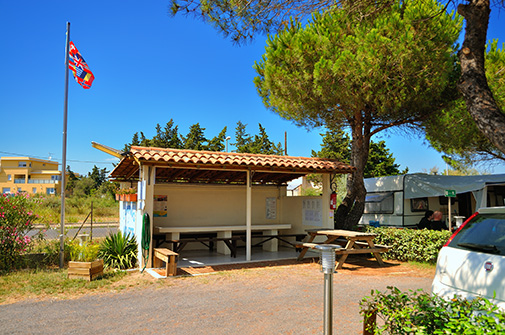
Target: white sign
point(271, 208)
point(312, 212)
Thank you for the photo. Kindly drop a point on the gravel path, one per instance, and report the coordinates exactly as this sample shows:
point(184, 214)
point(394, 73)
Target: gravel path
point(275, 300)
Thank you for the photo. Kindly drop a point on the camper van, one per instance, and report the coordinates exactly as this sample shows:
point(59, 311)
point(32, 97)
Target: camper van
point(401, 201)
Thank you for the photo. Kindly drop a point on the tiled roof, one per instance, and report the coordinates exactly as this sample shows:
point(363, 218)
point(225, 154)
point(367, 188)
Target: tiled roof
point(285, 167)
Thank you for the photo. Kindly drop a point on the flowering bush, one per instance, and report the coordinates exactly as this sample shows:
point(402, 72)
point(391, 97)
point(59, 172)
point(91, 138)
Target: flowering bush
point(16, 219)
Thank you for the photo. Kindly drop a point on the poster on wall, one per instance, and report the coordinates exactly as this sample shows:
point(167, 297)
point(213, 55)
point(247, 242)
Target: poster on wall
point(312, 212)
point(160, 206)
point(271, 208)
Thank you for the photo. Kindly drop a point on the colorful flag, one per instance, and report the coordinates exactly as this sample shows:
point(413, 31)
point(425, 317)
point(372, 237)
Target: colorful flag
point(82, 73)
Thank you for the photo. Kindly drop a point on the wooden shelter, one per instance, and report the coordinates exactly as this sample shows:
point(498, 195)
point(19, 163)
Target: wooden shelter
point(196, 191)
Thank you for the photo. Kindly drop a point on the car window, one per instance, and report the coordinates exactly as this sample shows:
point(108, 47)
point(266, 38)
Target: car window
point(485, 233)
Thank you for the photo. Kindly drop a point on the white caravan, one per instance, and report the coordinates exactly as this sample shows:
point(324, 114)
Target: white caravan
point(401, 201)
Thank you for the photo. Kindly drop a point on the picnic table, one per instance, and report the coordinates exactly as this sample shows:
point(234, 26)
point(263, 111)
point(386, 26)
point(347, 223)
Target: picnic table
point(353, 242)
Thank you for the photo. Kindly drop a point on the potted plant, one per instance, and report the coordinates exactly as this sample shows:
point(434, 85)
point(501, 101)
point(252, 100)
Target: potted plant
point(84, 262)
point(127, 194)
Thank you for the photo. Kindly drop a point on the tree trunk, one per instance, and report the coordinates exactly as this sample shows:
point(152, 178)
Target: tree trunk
point(351, 209)
point(473, 83)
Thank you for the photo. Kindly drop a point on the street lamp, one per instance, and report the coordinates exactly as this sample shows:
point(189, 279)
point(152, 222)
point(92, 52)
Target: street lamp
point(328, 268)
point(227, 139)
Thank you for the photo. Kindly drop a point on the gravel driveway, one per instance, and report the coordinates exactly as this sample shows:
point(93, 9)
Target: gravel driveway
point(271, 300)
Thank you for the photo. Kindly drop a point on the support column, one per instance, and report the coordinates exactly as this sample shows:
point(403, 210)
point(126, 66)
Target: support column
point(221, 246)
point(147, 175)
point(273, 244)
point(248, 216)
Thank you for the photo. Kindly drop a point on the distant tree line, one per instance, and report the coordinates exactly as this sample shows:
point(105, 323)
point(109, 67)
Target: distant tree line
point(170, 137)
point(95, 183)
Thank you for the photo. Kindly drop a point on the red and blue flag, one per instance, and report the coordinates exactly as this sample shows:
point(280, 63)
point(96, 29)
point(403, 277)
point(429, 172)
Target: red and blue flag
point(82, 73)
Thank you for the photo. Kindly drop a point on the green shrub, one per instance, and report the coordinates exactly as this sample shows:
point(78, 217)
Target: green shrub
point(417, 312)
point(83, 251)
point(16, 219)
point(411, 244)
point(119, 251)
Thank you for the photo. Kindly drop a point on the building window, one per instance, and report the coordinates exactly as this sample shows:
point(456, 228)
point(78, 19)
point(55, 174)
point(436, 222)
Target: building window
point(50, 191)
point(379, 203)
point(6, 190)
point(34, 190)
point(55, 178)
point(22, 164)
point(20, 190)
point(9, 177)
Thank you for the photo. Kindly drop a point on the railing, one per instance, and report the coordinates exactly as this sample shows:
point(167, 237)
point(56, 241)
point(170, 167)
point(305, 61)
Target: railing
point(42, 181)
point(19, 181)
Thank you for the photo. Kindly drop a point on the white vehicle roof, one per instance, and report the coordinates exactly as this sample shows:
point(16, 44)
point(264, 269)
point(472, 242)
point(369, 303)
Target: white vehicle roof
point(424, 185)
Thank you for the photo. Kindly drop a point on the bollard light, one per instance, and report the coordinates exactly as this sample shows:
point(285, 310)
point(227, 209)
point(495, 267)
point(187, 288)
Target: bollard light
point(328, 268)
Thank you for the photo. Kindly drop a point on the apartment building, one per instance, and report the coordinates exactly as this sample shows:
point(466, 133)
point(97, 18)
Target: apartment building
point(30, 175)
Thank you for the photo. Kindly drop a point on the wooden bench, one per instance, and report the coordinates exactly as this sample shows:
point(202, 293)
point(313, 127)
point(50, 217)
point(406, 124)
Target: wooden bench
point(169, 257)
point(363, 249)
point(231, 243)
point(358, 248)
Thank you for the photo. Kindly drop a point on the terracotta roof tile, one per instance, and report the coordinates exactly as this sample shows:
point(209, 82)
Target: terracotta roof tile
point(291, 167)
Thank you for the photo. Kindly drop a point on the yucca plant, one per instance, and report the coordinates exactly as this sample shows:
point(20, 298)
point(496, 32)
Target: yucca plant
point(119, 251)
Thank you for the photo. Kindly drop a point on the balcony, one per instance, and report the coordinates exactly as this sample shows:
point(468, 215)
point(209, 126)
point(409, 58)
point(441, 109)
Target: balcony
point(19, 181)
point(42, 181)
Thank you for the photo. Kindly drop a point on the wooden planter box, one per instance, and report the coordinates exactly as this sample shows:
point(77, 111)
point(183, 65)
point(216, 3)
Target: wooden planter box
point(85, 270)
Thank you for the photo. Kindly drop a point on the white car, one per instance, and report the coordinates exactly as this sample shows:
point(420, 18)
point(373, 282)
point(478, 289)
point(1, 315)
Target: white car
point(472, 262)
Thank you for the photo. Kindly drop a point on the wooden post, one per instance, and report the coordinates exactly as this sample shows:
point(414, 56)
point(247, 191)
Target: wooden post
point(370, 322)
point(91, 229)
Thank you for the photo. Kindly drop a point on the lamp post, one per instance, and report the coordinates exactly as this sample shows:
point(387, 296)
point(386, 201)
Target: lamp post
point(328, 268)
point(227, 139)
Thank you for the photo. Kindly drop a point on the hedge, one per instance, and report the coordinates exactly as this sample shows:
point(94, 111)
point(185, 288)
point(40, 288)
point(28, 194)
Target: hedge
point(418, 312)
point(411, 244)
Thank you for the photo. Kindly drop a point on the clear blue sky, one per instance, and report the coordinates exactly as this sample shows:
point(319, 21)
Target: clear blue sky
point(148, 69)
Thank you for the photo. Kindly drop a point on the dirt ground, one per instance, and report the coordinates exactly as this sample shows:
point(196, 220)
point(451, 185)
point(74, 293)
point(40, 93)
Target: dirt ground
point(357, 265)
point(284, 297)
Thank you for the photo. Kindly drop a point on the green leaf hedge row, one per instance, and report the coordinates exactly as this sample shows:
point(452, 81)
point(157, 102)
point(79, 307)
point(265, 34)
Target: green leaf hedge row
point(418, 312)
point(411, 244)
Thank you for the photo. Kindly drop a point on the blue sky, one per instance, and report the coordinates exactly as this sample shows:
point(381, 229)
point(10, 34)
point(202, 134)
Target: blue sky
point(149, 68)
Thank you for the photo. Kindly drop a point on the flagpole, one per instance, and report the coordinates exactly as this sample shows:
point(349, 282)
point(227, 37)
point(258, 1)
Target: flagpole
point(64, 154)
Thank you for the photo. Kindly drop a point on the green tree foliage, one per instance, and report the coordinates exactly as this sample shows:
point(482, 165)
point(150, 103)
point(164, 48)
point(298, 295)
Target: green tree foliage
point(218, 142)
point(257, 144)
point(195, 139)
point(365, 72)
point(71, 181)
point(453, 131)
point(98, 176)
point(380, 163)
point(169, 137)
point(242, 20)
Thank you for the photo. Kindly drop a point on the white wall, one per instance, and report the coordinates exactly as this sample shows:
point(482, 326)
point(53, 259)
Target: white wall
point(215, 205)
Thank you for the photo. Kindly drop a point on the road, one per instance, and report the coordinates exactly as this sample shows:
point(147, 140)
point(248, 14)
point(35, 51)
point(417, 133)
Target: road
point(275, 300)
point(99, 230)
